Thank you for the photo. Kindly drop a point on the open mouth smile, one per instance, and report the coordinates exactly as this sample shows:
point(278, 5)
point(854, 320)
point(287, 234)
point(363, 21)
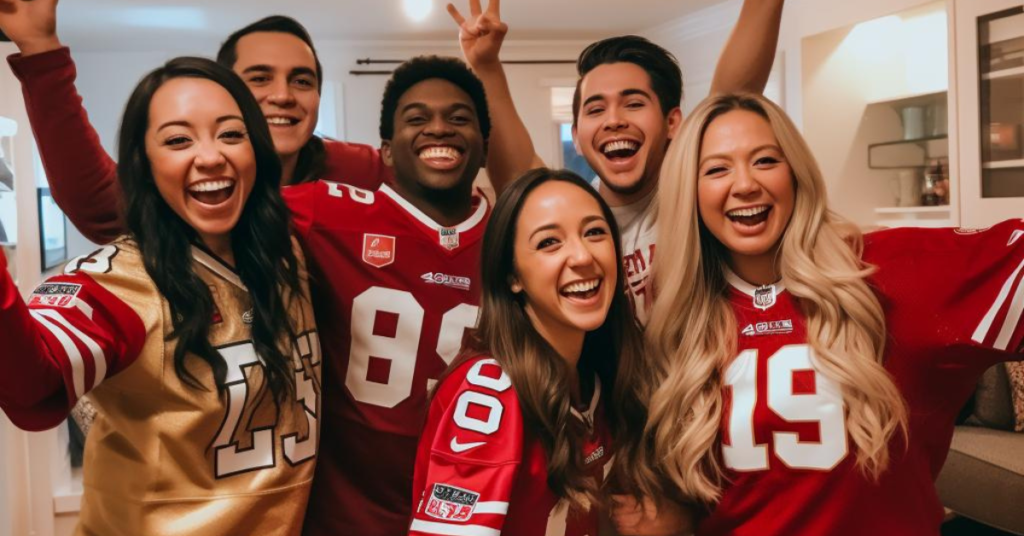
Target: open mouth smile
point(441, 157)
point(749, 216)
point(212, 192)
point(581, 290)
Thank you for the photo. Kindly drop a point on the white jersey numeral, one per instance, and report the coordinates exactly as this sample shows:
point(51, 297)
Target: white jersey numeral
point(358, 195)
point(97, 262)
point(823, 406)
point(495, 408)
point(230, 458)
point(402, 348)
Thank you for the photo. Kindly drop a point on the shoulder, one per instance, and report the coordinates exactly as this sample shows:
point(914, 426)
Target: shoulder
point(476, 415)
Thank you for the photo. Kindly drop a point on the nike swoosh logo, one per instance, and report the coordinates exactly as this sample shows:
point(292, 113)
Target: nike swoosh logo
point(463, 447)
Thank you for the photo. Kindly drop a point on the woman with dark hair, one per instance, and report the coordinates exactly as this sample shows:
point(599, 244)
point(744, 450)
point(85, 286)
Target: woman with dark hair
point(520, 429)
point(192, 334)
point(274, 56)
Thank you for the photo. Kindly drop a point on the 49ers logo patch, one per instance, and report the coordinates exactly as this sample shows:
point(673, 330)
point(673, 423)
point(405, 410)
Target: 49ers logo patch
point(54, 295)
point(378, 250)
point(451, 503)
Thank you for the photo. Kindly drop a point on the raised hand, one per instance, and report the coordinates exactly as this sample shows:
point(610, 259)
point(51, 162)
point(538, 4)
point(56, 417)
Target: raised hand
point(30, 24)
point(481, 35)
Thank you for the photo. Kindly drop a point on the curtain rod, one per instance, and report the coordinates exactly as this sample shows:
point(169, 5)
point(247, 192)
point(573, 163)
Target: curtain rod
point(370, 61)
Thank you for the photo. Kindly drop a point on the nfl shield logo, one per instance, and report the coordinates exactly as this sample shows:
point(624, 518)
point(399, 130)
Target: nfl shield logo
point(378, 250)
point(451, 503)
point(764, 297)
point(449, 237)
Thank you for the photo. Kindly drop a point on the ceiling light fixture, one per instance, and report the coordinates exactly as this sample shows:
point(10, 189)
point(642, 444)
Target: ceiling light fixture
point(417, 10)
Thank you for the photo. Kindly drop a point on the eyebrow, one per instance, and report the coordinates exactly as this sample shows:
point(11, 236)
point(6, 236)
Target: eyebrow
point(552, 226)
point(183, 123)
point(453, 107)
point(623, 93)
point(754, 151)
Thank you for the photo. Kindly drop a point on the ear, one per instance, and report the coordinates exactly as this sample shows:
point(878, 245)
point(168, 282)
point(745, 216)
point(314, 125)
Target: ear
point(674, 120)
point(385, 153)
point(576, 141)
point(515, 285)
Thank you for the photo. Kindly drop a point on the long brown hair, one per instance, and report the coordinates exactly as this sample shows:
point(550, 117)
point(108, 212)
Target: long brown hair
point(541, 378)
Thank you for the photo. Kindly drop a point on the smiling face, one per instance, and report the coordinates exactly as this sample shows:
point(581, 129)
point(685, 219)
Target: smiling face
point(199, 152)
point(280, 70)
point(621, 130)
point(437, 144)
point(565, 261)
point(745, 191)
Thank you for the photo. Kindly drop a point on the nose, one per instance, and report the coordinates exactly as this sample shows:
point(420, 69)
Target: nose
point(615, 119)
point(209, 156)
point(744, 183)
point(281, 93)
point(438, 126)
point(579, 253)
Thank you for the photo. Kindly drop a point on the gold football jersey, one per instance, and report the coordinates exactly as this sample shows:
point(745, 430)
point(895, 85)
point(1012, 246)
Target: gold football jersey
point(166, 459)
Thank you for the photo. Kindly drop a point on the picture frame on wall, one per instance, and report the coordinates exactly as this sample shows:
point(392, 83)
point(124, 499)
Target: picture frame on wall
point(53, 237)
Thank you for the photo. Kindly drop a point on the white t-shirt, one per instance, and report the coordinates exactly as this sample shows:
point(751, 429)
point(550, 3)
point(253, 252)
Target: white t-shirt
point(636, 226)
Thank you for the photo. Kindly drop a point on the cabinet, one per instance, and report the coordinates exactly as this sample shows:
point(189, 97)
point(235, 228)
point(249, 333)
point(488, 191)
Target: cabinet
point(989, 67)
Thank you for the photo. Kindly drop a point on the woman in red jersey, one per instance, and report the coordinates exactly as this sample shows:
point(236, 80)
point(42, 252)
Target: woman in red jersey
point(520, 431)
point(811, 375)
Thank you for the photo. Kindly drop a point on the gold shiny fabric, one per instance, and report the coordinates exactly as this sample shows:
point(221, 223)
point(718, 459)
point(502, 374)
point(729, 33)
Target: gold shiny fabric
point(166, 459)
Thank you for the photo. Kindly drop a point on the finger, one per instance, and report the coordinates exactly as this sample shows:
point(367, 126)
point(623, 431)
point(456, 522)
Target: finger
point(650, 508)
point(474, 8)
point(494, 8)
point(456, 16)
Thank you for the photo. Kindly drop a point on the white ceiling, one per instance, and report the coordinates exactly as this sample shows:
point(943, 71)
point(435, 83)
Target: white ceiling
point(146, 24)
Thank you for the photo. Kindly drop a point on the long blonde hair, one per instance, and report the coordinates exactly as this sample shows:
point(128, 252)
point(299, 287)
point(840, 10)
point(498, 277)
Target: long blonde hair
point(692, 332)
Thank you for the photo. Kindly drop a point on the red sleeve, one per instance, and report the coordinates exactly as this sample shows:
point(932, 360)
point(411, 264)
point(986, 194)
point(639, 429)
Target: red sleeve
point(70, 337)
point(301, 200)
point(469, 454)
point(82, 177)
point(356, 164)
point(955, 286)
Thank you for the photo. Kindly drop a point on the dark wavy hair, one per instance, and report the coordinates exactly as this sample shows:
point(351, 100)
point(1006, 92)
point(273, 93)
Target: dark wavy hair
point(423, 68)
point(539, 375)
point(312, 160)
point(660, 65)
point(262, 245)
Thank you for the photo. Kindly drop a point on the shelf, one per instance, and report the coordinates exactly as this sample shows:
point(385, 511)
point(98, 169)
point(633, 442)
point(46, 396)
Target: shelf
point(1003, 164)
point(939, 209)
point(911, 99)
point(915, 140)
point(1004, 73)
point(907, 154)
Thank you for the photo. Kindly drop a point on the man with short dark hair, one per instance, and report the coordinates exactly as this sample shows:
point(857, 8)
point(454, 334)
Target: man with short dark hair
point(626, 109)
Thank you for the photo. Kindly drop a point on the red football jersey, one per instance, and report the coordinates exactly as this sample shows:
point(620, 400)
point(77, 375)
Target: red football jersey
point(952, 300)
point(394, 293)
point(480, 472)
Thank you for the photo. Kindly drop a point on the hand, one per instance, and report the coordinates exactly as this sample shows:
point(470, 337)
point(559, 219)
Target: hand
point(481, 36)
point(647, 519)
point(30, 24)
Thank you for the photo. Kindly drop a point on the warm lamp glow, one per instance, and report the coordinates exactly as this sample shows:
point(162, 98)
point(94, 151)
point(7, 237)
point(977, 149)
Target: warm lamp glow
point(417, 10)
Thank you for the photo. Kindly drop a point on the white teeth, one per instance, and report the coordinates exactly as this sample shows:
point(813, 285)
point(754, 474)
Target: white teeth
point(211, 186)
point(582, 286)
point(747, 212)
point(280, 121)
point(620, 145)
point(441, 152)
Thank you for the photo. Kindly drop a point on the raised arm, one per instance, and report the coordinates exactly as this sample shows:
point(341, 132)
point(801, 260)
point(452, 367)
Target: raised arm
point(510, 150)
point(746, 61)
point(82, 177)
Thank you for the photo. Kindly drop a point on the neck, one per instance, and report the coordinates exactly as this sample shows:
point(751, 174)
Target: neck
point(756, 269)
point(447, 207)
point(619, 199)
point(288, 165)
point(220, 245)
point(567, 342)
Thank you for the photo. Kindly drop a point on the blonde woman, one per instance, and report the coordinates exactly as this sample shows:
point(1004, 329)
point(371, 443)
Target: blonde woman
point(811, 375)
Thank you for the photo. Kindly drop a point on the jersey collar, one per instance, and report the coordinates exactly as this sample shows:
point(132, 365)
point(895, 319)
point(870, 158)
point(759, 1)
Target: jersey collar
point(588, 415)
point(218, 267)
point(471, 222)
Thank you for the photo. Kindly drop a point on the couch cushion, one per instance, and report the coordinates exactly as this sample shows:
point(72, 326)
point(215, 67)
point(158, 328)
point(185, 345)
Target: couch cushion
point(983, 478)
point(993, 405)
